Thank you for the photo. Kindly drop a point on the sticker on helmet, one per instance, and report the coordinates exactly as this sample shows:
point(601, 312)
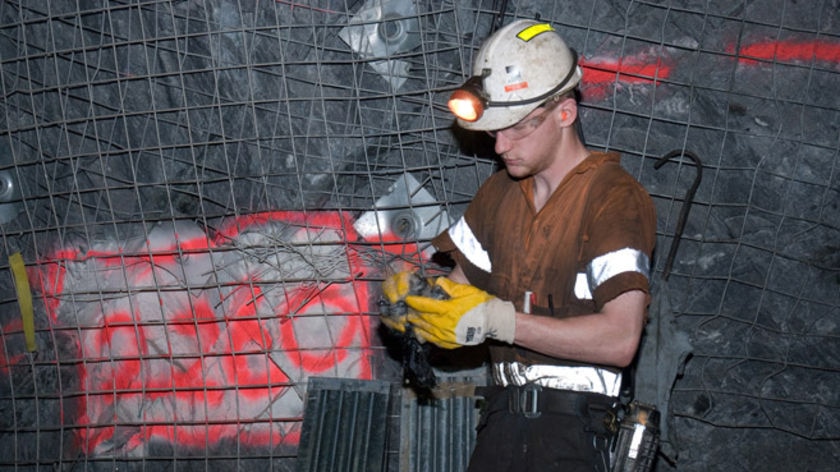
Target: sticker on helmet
point(513, 79)
point(533, 31)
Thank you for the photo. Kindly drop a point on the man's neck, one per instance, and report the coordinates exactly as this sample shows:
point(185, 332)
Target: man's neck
point(565, 160)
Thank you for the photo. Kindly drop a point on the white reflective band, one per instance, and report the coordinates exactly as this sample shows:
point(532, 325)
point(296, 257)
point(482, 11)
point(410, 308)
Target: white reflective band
point(467, 243)
point(636, 441)
point(582, 291)
point(575, 378)
point(609, 265)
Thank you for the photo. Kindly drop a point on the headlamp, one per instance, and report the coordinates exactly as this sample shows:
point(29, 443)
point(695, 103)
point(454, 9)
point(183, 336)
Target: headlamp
point(469, 101)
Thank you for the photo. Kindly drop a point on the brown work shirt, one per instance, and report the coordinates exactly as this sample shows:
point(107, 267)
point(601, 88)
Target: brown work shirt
point(591, 242)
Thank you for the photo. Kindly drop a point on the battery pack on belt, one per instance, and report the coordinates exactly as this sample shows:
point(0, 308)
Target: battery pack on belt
point(637, 442)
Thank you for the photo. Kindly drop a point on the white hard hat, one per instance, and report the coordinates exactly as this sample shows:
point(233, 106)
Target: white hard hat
point(518, 68)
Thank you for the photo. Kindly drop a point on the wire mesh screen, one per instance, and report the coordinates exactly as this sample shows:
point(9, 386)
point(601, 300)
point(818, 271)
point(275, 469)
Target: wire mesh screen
point(191, 188)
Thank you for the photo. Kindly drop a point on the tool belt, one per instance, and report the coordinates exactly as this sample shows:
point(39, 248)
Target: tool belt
point(532, 400)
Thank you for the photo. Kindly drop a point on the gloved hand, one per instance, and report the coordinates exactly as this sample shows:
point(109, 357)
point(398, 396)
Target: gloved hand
point(468, 317)
point(393, 310)
point(394, 313)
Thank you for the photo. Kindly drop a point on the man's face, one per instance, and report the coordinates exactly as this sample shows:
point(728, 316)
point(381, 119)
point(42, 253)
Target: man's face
point(525, 148)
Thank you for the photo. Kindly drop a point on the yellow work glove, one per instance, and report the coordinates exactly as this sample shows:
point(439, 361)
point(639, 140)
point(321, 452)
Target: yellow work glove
point(393, 309)
point(468, 317)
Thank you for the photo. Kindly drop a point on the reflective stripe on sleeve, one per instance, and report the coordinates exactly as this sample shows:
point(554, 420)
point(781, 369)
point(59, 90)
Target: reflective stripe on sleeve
point(470, 247)
point(609, 265)
point(582, 291)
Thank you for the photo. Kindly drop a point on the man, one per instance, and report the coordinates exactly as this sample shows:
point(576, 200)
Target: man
point(551, 262)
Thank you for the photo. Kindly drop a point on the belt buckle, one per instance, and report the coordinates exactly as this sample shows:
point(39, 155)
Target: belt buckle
point(525, 400)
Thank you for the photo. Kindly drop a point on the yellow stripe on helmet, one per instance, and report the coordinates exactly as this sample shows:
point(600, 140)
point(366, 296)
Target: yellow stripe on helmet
point(532, 31)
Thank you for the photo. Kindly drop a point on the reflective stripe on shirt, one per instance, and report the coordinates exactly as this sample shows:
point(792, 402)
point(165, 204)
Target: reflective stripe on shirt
point(470, 247)
point(602, 268)
point(576, 378)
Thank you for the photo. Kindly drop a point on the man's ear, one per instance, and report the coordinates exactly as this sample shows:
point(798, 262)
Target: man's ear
point(567, 111)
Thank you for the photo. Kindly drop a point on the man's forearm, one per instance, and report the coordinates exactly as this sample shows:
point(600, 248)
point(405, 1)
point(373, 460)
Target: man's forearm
point(610, 337)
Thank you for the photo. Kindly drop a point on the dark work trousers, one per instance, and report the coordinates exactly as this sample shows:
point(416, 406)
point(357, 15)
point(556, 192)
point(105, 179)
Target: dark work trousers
point(550, 430)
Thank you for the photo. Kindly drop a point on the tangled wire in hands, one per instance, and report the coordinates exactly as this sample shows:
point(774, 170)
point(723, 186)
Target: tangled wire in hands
point(417, 369)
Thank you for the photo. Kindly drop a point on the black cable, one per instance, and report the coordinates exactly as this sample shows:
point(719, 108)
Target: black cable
point(687, 202)
point(500, 15)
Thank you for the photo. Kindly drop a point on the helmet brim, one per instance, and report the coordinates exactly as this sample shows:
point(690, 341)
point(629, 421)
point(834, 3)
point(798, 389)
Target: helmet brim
point(496, 118)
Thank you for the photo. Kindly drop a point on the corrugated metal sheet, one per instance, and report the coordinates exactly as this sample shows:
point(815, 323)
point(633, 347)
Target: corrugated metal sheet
point(439, 433)
point(368, 425)
point(347, 424)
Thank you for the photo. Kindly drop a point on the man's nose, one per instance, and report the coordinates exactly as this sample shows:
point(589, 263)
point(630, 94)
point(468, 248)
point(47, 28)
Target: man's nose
point(503, 143)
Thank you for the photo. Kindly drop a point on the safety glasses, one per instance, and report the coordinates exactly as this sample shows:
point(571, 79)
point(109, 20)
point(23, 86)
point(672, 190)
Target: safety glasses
point(529, 124)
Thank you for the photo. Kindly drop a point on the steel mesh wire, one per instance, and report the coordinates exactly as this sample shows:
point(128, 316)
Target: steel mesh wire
point(127, 121)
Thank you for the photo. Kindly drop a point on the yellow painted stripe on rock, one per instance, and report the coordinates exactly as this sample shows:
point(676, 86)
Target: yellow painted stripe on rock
point(24, 295)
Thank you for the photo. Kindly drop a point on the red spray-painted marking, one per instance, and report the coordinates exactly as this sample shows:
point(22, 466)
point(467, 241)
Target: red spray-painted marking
point(600, 74)
point(612, 71)
point(200, 369)
point(332, 300)
point(789, 52)
point(644, 68)
point(11, 331)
